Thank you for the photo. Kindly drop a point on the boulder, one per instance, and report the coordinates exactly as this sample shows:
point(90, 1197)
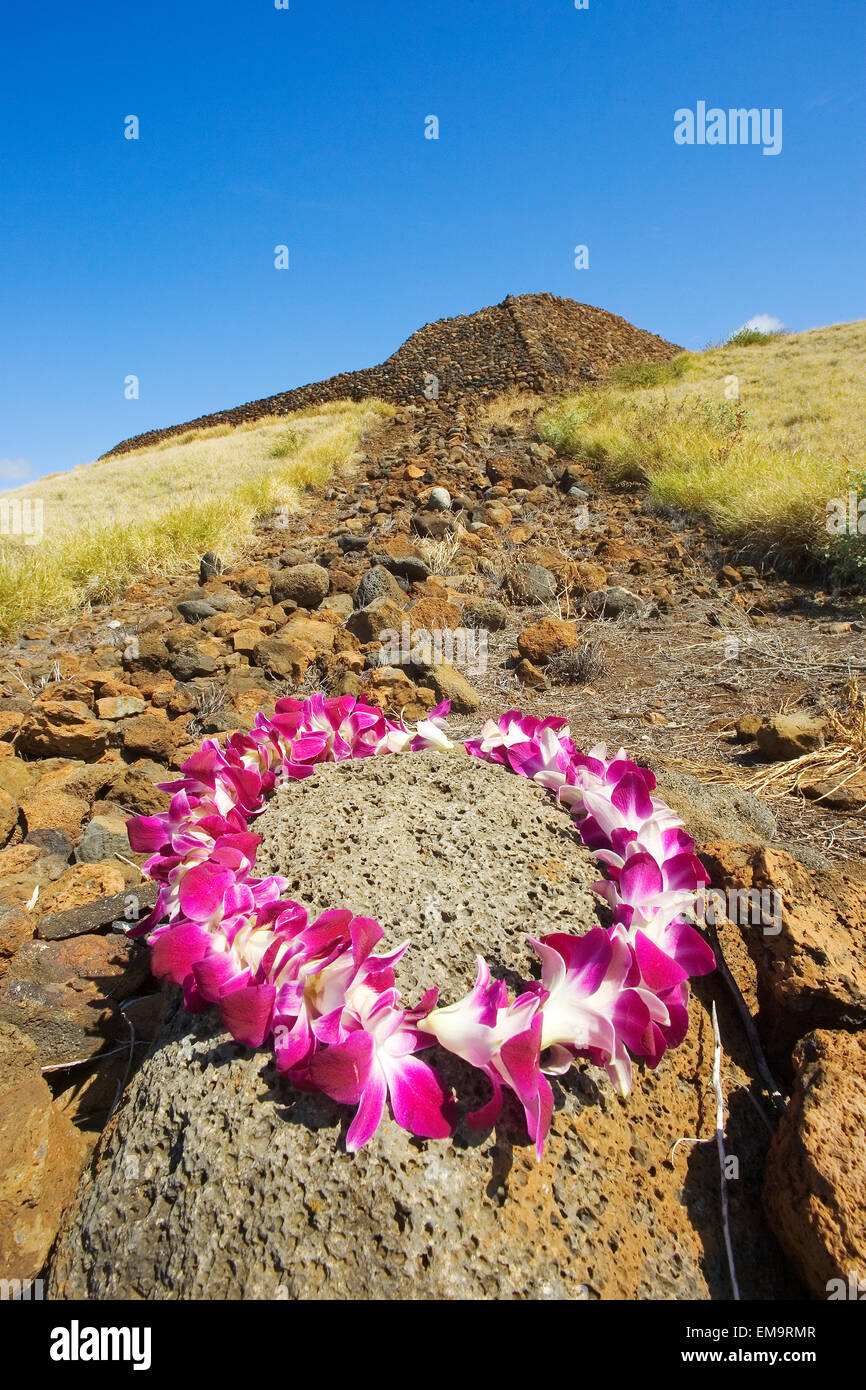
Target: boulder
point(714, 811)
point(547, 638)
point(786, 736)
point(305, 585)
point(377, 583)
point(215, 1179)
point(62, 728)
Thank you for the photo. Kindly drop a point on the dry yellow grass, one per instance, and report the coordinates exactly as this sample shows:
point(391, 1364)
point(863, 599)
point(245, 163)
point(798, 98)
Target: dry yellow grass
point(758, 439)
point(156, 510)
point(501, 411)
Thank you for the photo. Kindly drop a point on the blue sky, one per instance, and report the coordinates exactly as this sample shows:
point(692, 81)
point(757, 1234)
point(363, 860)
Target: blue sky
point(305, 127)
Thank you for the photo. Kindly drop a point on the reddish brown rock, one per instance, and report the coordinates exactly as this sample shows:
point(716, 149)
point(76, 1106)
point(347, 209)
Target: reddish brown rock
point(83, 883)
point(547, 638)
point(815, 1184)
point(785, 736)
point(10, 723)
point(16, 776)
point(136, 792)
point(54, 810)
point(585, 577)
point(16, 858)
point(432, 614)
point(284, 659)
point(447, 683)
point(8, 816)
point(63, 993)
point(244, 639)
point(805, 932)
point(382, 615)
point(308, 632)
point(389, 688)
point(62, 728)
point(16, 927)
point(845, 793)
point(40, 1159)
point(530, 675)
point(153, 735)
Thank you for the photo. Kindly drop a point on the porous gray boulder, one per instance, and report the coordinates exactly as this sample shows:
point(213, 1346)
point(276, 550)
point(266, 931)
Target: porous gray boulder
point(714, 810)
point(377, 583)
point(216, 1179)
point(305, 585)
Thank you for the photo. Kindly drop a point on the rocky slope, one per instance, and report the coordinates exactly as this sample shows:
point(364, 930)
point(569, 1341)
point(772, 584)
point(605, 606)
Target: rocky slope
point(530, 342)
point(632, 625)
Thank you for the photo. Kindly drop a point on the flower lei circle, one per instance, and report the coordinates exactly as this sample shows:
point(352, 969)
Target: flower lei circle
point(329, 1004)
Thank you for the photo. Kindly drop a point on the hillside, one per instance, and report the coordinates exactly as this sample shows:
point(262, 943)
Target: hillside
point(502, 552)
point(761, 468)
point(530, 342)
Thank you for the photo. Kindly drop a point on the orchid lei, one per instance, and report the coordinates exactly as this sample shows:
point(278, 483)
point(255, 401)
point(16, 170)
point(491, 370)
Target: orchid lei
point(329, 1004)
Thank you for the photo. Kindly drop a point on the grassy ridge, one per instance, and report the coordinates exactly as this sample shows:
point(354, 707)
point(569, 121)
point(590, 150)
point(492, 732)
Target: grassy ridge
point(156, 511)
point(757, 436)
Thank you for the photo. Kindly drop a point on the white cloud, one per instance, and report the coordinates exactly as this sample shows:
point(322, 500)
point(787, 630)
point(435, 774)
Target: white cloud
point(14, 470)
point(765, 323)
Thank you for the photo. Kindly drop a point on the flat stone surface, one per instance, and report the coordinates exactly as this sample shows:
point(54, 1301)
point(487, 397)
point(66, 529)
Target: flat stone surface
point(89, 917)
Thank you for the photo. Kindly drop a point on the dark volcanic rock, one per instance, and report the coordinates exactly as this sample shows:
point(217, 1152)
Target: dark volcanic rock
point(530, 342)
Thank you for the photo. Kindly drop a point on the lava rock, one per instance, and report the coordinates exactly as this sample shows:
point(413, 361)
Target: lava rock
point(377, 583)
point(306, 585)
point(616, 602)
point(174, 1208)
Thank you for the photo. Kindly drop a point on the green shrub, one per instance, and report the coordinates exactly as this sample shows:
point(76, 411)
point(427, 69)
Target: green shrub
point(749, 337)
point(632, 374)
